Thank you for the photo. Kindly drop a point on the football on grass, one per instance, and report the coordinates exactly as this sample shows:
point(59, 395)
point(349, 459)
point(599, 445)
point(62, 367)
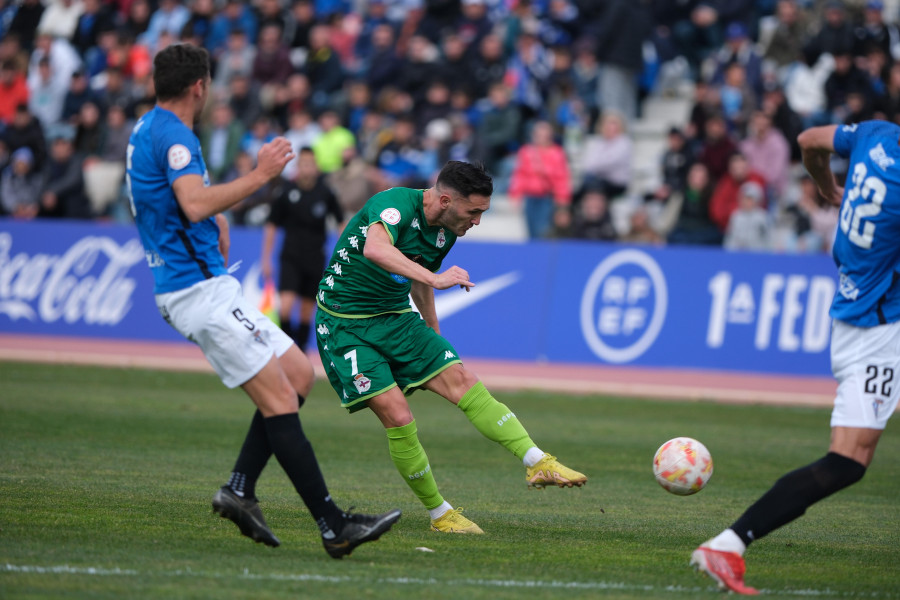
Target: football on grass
point(682, 466)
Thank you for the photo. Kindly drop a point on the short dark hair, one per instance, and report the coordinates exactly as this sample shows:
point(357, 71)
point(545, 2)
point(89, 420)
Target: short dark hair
point(465, 178)
point(178, 67)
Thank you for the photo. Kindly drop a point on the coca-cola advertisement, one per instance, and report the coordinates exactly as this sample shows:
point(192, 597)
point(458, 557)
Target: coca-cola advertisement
point(92, 280)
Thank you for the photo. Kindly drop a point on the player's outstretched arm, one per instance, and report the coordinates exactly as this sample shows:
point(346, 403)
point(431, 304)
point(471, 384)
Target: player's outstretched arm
point(201, 202)
point(816, 146)
point(382, 252)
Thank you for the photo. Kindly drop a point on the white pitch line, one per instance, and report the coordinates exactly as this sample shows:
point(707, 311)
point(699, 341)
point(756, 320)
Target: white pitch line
point(419, 582)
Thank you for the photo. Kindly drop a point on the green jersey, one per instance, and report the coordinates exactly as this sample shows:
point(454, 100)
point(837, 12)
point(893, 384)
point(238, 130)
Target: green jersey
point(355, 287)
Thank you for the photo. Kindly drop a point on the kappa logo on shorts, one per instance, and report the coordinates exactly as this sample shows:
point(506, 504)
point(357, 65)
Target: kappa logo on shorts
point(362, 383)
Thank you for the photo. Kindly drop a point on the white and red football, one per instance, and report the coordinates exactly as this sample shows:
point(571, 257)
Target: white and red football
point(682, 466)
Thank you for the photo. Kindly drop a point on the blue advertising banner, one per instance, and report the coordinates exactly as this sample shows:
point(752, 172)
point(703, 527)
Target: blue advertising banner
point(562, 301)
point(581, 302)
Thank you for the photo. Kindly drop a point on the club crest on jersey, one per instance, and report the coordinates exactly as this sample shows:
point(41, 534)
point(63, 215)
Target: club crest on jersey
point(179, 157)
point(391, 216)
point(362, 383)
point(441, 239)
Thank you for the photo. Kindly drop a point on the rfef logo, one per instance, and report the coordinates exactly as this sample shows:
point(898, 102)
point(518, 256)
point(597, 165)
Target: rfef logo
point(623, 306)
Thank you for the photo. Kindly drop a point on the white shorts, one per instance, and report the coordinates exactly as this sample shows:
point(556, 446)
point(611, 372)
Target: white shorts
point(236, 338)
point(866, 363)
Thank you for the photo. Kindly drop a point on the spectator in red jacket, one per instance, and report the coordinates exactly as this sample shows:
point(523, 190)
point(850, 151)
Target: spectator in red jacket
point(717, 147)
point(13, 91)
point(541, 177)
point(725, 197)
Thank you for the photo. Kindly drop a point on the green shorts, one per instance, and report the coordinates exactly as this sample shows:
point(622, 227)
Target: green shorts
point(366, 357)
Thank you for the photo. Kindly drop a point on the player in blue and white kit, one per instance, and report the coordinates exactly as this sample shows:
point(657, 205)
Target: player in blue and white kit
point(185, 239)
point(865, 337)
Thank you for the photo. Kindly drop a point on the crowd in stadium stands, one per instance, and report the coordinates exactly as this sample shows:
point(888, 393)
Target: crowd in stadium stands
point(543, 92)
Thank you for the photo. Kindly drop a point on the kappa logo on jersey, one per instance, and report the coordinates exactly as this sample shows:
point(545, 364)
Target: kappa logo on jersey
point(329, 281)
point(623, 306)
point(154, 259)
point(448, 355)
point(362, 383)
point(354, 241)
point(179, 157)
point(344, 254)
point(391, 216)
point(364, 229)
point(441, 239)
point(336, 267)
point(415, 223)
point(323, 331)
point(848, 288)
point(880, 157)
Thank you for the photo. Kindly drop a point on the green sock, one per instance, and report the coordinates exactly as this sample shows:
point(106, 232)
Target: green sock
point(409, 457)
point(494, 420)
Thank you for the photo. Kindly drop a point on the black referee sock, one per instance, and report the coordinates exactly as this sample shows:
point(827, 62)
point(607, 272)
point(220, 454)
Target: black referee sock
point(252, 460)
point(795, 492)
point(295, 455)
point(303, 334)
point(287, 326)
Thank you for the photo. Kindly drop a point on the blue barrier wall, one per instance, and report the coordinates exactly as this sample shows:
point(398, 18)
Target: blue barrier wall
point(555, 301)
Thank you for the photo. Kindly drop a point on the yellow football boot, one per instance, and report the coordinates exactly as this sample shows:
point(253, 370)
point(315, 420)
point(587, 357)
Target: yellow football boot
point(453, 521)
point(550, 471)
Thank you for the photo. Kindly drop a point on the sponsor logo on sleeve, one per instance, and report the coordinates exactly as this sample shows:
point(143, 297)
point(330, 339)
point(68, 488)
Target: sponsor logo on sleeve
point(391, 216)
point(179, 157)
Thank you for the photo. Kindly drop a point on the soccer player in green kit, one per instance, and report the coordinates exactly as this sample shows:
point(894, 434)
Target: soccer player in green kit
point(376, 350)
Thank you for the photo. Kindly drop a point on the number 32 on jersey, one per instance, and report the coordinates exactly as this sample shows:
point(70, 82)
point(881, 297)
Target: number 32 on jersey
point(872, 191)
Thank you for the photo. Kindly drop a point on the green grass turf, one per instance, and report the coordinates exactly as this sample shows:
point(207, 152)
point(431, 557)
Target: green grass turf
point(106, 477)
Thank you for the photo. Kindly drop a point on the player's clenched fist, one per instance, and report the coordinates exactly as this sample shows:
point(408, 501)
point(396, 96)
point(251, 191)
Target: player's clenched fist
point(453, 276)
point(273, 156)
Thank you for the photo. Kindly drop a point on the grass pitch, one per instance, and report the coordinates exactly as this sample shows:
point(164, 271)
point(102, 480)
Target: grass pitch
point(106, 477)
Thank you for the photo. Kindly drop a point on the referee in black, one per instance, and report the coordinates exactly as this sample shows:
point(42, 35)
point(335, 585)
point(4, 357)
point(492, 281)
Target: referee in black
point(300, 208)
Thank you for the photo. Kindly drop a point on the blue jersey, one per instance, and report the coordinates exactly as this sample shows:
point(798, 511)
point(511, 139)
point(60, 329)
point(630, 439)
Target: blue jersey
point(180, 253)
point(866, 248)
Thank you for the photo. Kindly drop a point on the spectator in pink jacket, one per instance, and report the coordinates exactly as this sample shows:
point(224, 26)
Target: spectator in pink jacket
point(541, 177)
point(768, 153)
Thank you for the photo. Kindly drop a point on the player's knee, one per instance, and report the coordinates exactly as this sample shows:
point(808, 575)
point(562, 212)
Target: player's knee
point(299, 371)
point(460, 380)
